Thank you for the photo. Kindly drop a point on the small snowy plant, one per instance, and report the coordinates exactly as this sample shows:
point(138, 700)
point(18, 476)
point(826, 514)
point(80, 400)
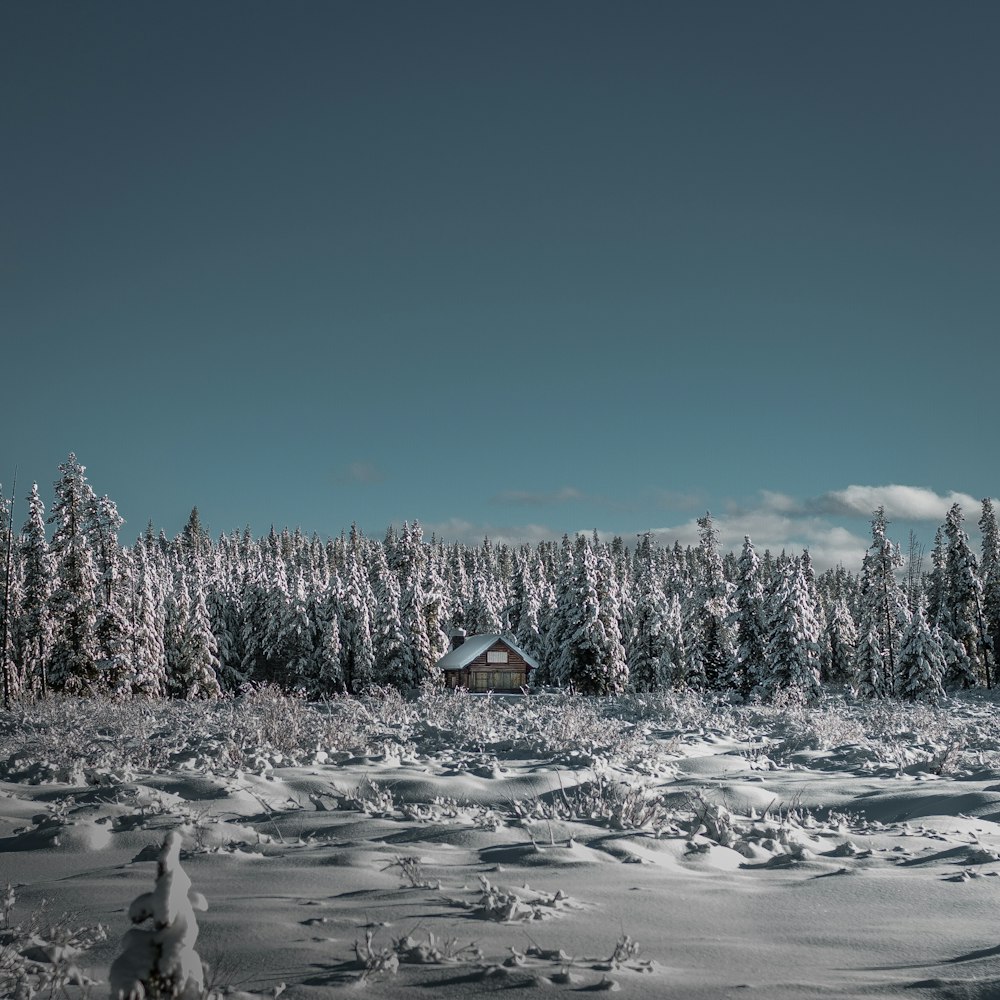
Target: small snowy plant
point(160, 962)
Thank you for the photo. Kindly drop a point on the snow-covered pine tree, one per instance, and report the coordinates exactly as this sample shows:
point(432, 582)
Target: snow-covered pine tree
point(420, 655)
point(358, 610)
point(160, 962)
point(201, 650)
point(586, 660)
point(674, 657)
point(990, 575)
point(148, 659)
point(611, 616)
point(392, 665)
point(224, 600)
point(818, 608)
point(194, 538)
point(750, 620)
point(842, 641)
point(297, 635)
point(869, 660)
point(936, 584)
point(111, 626)
point(792, 650)
point(885, 612)
point(326, 675)
point(73, 663)
point(436, 609)
point(35, 625)
point(559, 620)
point(276, 601)
point(921, 660)
point(712, 643)
point(457, 582)
point(647, 640)
point(191, 653)
point(481, 614)
point(959, 669)
point(962, 615)
point(254, 602)
point(524, 605)
point(12, 656)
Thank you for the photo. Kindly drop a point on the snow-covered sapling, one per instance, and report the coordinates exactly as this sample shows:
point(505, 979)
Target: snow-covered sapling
point(160, 962)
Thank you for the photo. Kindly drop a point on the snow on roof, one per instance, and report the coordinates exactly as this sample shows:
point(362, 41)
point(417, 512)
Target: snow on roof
point(475, 646)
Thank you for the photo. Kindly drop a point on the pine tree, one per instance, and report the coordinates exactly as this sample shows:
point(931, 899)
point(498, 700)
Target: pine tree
point(673, 659)
point(647, 640)
point(578, 663)
point(609, 596)
point(990, 575)
point(392, 665)
point(326, 673)
point(962, 615)
point(111, 627)
point(842, 641)
point(481, 614)
point(148, 658)
point(457, 582)
point(357, 651)
point(437, 611)
point(191, 651)
point(421, 650)
point(296, 637)
point(792, 650)
point(937, 582)
point(921, 660)
point(750, 621)
point(884, 612)
point(525, 606)
point(10, 608)
point(201, 649)
point(560, 620)
point(712, 645)
point(35, 625)
point(960, 671)
point(869, 660)
point(161, 962)
point(73, 662)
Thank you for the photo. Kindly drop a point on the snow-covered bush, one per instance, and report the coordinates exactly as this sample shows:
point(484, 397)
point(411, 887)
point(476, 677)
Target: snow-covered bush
point(160, 962)
point(39, 958)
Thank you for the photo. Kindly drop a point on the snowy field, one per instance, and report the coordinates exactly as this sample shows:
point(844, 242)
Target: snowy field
point(457, 846)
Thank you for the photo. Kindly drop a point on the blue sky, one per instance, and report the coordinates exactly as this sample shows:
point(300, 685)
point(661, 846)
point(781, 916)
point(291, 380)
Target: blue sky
point(506, 268)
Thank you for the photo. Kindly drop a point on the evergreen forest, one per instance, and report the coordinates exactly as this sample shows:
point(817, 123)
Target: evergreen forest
point(192, 617)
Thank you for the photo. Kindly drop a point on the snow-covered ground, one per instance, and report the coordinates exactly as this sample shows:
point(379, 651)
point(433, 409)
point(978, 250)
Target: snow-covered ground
point(660, 846)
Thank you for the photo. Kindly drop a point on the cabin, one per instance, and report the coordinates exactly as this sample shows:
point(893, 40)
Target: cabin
point(487, 662)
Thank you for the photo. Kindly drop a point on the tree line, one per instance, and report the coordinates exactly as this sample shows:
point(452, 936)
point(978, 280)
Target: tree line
point(189, 617)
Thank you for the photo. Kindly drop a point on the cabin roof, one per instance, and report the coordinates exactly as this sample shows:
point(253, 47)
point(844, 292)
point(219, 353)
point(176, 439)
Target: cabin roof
point(476, 645)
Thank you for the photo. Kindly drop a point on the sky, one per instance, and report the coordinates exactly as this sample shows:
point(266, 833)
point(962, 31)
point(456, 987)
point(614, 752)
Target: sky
point(507, 268)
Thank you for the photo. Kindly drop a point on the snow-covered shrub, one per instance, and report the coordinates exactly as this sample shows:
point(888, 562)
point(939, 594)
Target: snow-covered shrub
point(39, 958)
point(370, 798)
point(160, 962)
point(616, 804)
point(508, 905)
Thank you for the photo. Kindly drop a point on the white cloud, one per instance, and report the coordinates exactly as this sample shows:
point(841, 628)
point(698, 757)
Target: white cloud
point(828, 544)
point(456, 529)
point(773, 520)
point(910, 503)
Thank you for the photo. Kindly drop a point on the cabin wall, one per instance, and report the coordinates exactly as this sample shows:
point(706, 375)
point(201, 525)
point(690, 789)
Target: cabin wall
point(481, 675)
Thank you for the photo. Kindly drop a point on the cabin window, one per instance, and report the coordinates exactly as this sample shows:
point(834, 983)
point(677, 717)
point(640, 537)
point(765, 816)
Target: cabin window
point(496, 656)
